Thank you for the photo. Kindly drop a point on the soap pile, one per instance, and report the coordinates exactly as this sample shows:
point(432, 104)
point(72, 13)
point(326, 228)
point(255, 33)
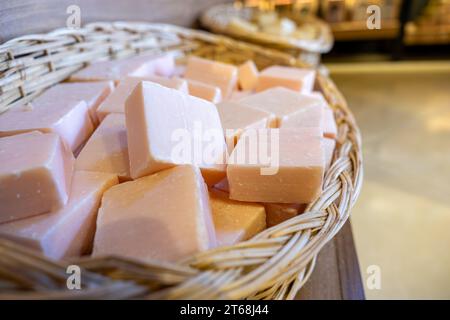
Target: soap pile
point(151, 160)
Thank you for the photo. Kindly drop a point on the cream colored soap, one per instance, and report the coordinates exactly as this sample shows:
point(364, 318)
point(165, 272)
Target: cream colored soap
point(236, 118)
point(277, 213)
point(329, 126)
point(214, 73)
point(248, 75)
point(107, 149)
point(48, 113)
point(69, 231)
point(115, 103)
point(309, 116)
point(300, 80)
point(235, 221)
point(329, 146)
point(277, 166)
point(281, 102)
point(204, 91)
point(165, 216)
point(35, 174)
point(166, 128)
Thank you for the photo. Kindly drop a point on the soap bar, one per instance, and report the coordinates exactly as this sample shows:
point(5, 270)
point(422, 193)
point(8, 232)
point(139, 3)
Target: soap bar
point(277, 213)
point(236, 118)
point(70, 119)
point(235, 221)
point(138, 66)
point(165, 216)
point(92, 93)
point(248, 75)
point(115, 103)
point(329, 146)
point(281, 102)
point(311, 115)
point(300, 80)
point(107, 149)
point(166, 128)
point(214, 73)
point(329, 126)
point(277, 166)
point(35, 174)
point(236, 94)
point(204, 91)
point(69, 231)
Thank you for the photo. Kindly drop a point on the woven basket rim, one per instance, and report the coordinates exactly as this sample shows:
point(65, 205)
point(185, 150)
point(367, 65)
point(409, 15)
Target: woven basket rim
point(274, 264)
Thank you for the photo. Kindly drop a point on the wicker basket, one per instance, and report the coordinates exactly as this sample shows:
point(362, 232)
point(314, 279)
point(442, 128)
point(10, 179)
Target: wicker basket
point(217, 19)
point(273, 265)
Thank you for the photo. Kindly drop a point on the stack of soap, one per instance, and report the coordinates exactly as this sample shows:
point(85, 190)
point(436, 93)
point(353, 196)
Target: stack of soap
point(213, 73)
point(300, 80)
point(277, 166)
point(235, 221)
point(35, 175)
point(115, 103)
point(166, 128)
point(164, 216)
point(107, 149)
point(68, 231)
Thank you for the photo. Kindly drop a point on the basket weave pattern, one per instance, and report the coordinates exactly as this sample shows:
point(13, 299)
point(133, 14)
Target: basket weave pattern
point(273, 265)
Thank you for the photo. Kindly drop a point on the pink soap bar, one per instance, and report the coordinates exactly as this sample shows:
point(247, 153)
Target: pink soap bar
point(92, 93)
point(277, 213)
point(329, 146)
point(107, 149)
point(310, 115)
point(214, 73)
point(300, 80)
point(69, 231)
point(281, 102)
point(164, 216)
point(277, 166)
point(204, 91)
point(236, 95)
point(115, 103)
point(35, 174)
point(166, 128)
point(248, 75)
point(329, 126)
point(139, 66)
point(50, 113)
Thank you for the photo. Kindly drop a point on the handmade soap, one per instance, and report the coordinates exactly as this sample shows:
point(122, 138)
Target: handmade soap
point(281, 102)
point(329, 125)
point(329, 146)
point(107, 149)
point(93, 94)
point(300, 80)
point(139, 66)
point(236, 118)
point(35, 174)
point(312, 115)
point(69, 231)
point(277, 166)
point(115, 103)
point(166, 128)
point(214, 73)
point(222, 185)
point(70, 119)
point(277, 213)
point(237, 94)
point(235, 221)
point(248, 75)
point(164, 216)
point(204, 91)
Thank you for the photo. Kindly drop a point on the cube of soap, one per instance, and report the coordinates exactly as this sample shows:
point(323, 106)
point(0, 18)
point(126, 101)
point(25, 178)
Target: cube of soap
point(164, 216)
point(300, 80)
point(236, 95)
point(236, 118)
point(68, 118)
point(214, 73)
point(35, 174)
point(235, 221)
point(281, 102)
point(107, 149)
point(69, 231)
point(277, 166)
point(329, 146)
point(277, 213)
point(166, 128)
point(138, 66)
point(92, 93)
point(329, 125)
point(204, 91)
point(312, 115)
point(115, 103)
point(248, 75)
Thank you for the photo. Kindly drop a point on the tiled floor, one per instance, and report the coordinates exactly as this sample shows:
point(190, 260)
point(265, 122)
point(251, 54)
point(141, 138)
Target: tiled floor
point(402, 220)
